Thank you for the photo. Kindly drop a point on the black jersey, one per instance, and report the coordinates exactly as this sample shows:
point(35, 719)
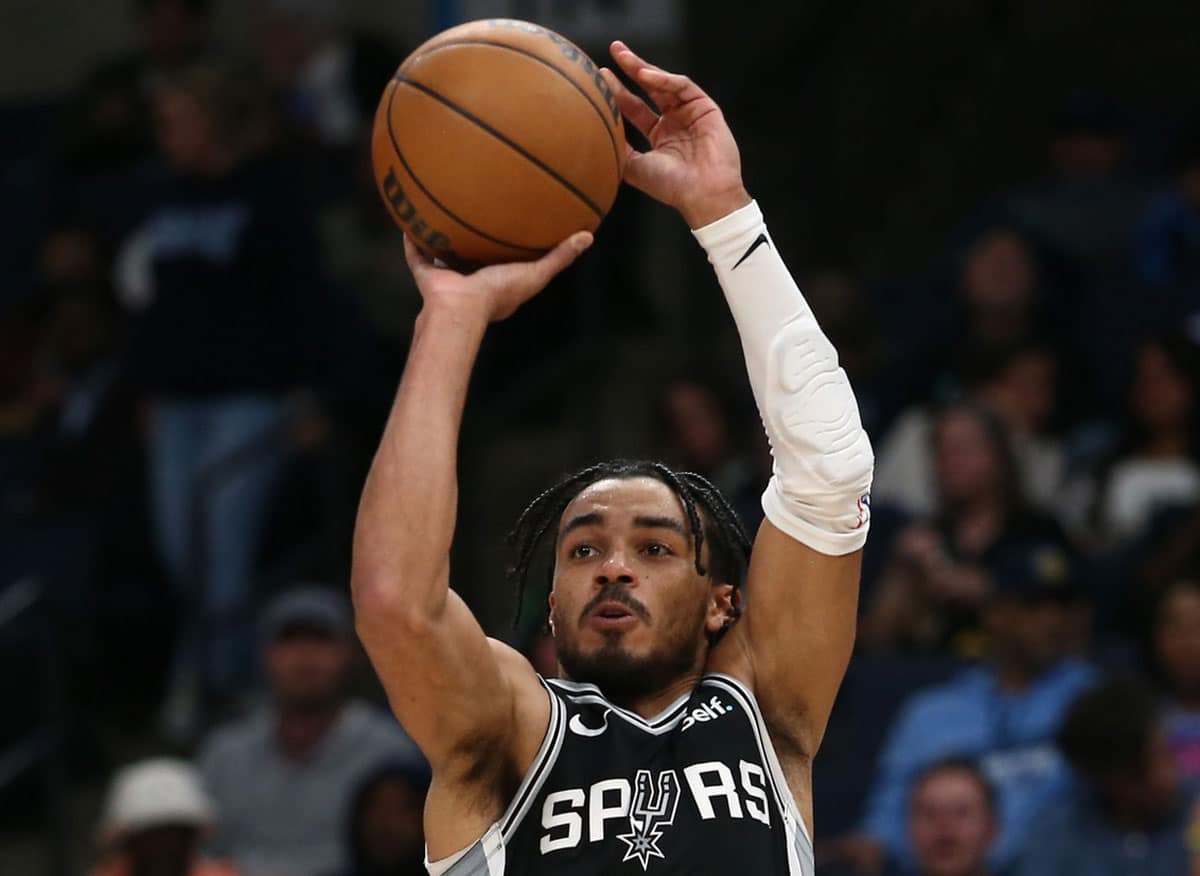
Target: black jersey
point(695, 790)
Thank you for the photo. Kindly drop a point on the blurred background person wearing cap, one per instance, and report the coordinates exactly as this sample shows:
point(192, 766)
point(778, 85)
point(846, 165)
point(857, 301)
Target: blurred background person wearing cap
point(155, 818)
point(385, 824)
point(1130, 812)
point(952, 819)
point(1003, 713)
point(284, 776)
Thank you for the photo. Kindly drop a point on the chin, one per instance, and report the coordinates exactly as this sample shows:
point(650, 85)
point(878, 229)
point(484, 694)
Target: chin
point(621, 673)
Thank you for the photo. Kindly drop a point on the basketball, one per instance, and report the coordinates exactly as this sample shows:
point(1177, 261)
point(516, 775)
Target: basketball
point(496, 140)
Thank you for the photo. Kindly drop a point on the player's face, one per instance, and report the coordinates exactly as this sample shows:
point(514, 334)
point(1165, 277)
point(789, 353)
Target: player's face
point(951, 825)
point(628, 609)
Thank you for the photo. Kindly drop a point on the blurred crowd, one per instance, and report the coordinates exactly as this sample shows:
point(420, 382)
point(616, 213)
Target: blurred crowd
point(203, 315)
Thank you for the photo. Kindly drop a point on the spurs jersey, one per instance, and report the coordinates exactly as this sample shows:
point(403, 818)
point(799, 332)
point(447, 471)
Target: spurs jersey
point(695, 790)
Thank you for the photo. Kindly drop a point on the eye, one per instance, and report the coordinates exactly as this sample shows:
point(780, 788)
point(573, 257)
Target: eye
point(657, 549)
point(582, 552)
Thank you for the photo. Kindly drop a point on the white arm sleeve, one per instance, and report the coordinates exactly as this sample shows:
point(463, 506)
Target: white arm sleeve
point(819, 492)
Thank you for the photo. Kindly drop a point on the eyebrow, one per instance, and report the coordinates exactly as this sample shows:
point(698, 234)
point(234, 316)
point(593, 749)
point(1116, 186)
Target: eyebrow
point(659, 523)
point(591, 519)
point(595, 518)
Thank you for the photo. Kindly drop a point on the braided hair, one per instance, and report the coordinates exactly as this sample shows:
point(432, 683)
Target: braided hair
point(729, 545)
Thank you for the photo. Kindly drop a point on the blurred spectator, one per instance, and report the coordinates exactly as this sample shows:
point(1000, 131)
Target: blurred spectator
point(997, 302)
point(696, 434)
point(851, 324)
point(366, 252)
point(1084, 217)
point(154, 820)
point(1131, 812)
point(107, 125)
point(330, 76)
point(386, 827)
point(1177, 655)
point(1157, 466)
point(225, 281)
point(283, 778)
point(1168, 240)
point(1003, 714)
point(1086, 210)
point(938, 574)
point(952, 819)
point(1018, 383)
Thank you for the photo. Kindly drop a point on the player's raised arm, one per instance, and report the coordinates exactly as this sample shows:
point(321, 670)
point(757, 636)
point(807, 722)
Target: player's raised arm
point(455, 692)
point(797, 634)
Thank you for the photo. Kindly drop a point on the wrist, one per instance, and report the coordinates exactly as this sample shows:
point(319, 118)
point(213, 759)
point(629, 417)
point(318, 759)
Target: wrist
point(462, 315)
point(709, 208)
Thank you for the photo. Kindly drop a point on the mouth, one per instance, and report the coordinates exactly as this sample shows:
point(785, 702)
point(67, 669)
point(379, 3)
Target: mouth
point(611, 616)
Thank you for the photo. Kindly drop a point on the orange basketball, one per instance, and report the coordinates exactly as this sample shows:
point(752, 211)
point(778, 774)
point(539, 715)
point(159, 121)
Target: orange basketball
point(496, 140)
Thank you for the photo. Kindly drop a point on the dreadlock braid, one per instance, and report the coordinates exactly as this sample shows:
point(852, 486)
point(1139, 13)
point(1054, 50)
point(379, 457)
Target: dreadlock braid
point(729, 549)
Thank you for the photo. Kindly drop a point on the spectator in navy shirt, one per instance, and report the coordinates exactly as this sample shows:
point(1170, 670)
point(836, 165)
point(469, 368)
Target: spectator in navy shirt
point(1131, 813)
point(1004, 714)
point(225, 279)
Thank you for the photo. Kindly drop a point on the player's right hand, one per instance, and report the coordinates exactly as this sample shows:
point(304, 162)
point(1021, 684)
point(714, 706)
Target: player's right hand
point(495, 292)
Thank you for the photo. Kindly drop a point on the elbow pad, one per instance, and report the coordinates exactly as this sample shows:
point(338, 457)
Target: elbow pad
point(819, 492)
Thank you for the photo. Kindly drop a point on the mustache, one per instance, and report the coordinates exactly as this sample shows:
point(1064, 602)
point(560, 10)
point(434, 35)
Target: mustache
point(619, 595)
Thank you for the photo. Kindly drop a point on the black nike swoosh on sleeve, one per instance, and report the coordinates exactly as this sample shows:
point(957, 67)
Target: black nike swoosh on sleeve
point(758, 241)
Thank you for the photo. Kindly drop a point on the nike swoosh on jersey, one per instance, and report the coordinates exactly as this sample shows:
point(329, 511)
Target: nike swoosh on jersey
point(577, 726)
point(758, 241)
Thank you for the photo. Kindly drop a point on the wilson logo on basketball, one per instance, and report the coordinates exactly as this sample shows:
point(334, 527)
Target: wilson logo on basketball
point(500, 136)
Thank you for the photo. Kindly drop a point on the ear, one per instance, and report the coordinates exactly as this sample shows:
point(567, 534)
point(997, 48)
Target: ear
point(550, 614)
point(724, 607)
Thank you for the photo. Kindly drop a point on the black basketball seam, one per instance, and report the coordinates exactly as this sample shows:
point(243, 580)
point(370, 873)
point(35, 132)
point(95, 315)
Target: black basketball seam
point(439, 204)
point(516, 147)
point(599, 111)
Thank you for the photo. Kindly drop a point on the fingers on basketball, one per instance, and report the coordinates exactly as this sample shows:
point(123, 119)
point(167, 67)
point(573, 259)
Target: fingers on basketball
point(635, 110)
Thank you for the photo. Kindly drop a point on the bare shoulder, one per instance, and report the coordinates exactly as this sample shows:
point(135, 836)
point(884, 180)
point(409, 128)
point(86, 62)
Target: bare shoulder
point(530, 699)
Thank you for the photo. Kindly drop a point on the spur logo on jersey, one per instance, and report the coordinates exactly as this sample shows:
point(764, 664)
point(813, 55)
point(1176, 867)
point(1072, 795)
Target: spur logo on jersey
point(652, 810)
point(650, 805)
point(709, 711)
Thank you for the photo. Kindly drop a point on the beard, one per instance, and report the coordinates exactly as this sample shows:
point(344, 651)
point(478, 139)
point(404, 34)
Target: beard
point(624, 677)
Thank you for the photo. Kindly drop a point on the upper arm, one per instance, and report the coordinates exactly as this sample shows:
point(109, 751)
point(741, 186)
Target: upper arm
point(463, 698)
point(797, 632)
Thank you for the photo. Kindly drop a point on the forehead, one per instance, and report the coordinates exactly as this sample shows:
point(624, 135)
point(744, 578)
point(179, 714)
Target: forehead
point(956, 783)
point(624, 498)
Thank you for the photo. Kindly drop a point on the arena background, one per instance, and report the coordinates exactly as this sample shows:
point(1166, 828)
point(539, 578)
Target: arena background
point(884, 141)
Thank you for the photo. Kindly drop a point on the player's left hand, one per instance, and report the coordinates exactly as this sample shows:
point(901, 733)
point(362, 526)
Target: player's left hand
point(693, 163)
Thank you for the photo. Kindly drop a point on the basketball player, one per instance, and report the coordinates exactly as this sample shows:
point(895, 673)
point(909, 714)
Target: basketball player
point(682, 736)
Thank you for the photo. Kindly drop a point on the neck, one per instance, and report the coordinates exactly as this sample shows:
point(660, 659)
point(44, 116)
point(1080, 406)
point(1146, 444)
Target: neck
point(1127, 819)
point(300, 731)
point(978, 522)
point(1012, 677)
point(1167, 445)
point(651, 704)
point(219, 163)
point(1189, 701)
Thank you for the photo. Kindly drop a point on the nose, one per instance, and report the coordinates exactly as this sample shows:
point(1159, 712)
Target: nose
point(615, 570)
